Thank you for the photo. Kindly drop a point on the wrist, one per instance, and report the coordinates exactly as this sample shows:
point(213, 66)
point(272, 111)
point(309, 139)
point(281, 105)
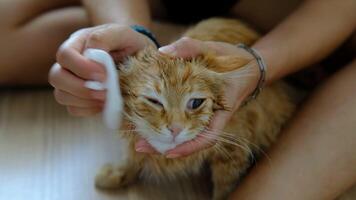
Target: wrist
point(262, 71)
point(277, 64)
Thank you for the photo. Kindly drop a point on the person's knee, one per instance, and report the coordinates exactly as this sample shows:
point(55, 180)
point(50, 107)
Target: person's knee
point(8, 76)
point(16, 77)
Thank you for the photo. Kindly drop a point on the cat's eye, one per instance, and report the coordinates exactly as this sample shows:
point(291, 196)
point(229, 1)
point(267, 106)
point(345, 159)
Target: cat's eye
point(195, 103)
point(154, 101)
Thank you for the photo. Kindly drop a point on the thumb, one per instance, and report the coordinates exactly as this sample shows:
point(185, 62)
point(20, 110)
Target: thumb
point(184, 48)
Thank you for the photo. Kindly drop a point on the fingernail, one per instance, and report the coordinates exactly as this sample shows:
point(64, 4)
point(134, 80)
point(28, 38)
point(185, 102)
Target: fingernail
point(98, 77)
point(172, 155)
point(167, 50)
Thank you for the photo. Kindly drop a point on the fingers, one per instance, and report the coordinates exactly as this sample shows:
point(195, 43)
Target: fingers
point(70, 91)
point(115, 38)
point(70, 57)
point(184, 48)
point(68, 99)
point(108, 37)
point(187, 48)
point(62, 79)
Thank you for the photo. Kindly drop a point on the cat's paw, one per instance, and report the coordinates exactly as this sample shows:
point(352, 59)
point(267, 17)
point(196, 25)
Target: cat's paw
point(110, 177)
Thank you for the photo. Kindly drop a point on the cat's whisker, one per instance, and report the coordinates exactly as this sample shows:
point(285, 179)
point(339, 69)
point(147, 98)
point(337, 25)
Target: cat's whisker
point(223, 140)
point(231, 142)
point(216, 146)
point(220, 149)
point(236, 137)
point(259, 149)
point(230, 136)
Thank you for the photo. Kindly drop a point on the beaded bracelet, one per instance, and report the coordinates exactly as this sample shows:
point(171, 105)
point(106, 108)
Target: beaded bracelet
point(262, 67)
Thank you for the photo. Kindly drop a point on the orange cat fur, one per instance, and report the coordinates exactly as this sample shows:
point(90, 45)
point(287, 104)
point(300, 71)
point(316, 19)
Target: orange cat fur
point(160, 92)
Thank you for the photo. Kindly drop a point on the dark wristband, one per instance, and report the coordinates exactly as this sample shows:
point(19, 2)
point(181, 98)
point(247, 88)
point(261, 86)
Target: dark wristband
point(147, 33)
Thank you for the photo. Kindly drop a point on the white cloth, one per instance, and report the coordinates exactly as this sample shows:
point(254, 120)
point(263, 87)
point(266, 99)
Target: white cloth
point(114, 103)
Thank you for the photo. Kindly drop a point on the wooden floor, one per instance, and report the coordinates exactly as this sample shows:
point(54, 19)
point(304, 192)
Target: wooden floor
point(45, 154)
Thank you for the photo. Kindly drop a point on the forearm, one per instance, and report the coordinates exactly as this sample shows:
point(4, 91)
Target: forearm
point(118, 11)
point(315, 156)
point(307, 36)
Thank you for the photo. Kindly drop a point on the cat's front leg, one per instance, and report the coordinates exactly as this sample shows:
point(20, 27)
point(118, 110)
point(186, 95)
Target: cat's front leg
point(114, 177)
point(225, 175)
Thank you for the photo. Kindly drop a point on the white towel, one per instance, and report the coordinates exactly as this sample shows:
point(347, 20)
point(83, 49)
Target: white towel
point(114, 103)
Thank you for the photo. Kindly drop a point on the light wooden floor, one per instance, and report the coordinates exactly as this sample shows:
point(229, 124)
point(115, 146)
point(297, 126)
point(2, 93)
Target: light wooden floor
point(45, 154)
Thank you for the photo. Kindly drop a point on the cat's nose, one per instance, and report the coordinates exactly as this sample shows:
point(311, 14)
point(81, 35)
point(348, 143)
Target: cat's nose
point(175, 129)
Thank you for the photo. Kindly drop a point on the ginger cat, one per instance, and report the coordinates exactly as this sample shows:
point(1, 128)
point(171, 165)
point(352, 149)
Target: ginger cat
point(170, 101)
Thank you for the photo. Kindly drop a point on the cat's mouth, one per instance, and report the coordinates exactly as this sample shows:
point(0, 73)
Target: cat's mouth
point(163, 144)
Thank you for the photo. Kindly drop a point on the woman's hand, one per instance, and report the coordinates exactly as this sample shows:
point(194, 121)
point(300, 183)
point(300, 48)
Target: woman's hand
point(71, 71)
point(238, 89)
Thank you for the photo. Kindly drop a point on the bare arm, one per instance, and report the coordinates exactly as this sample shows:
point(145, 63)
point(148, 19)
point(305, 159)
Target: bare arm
point(118, 11)
point(315, 157)
point(307, 36)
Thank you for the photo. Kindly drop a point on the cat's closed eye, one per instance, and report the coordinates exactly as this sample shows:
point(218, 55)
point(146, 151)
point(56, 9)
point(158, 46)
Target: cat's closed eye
point(154, 101)
point(195, 103)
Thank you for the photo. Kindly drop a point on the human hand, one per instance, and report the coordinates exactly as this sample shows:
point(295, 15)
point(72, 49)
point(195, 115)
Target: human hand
point(236, 92)
point(72, 69)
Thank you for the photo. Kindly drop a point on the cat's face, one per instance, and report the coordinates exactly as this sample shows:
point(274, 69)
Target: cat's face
point(170, 101)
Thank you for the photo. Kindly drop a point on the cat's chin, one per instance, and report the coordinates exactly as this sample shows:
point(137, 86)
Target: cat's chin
point(162, 147)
